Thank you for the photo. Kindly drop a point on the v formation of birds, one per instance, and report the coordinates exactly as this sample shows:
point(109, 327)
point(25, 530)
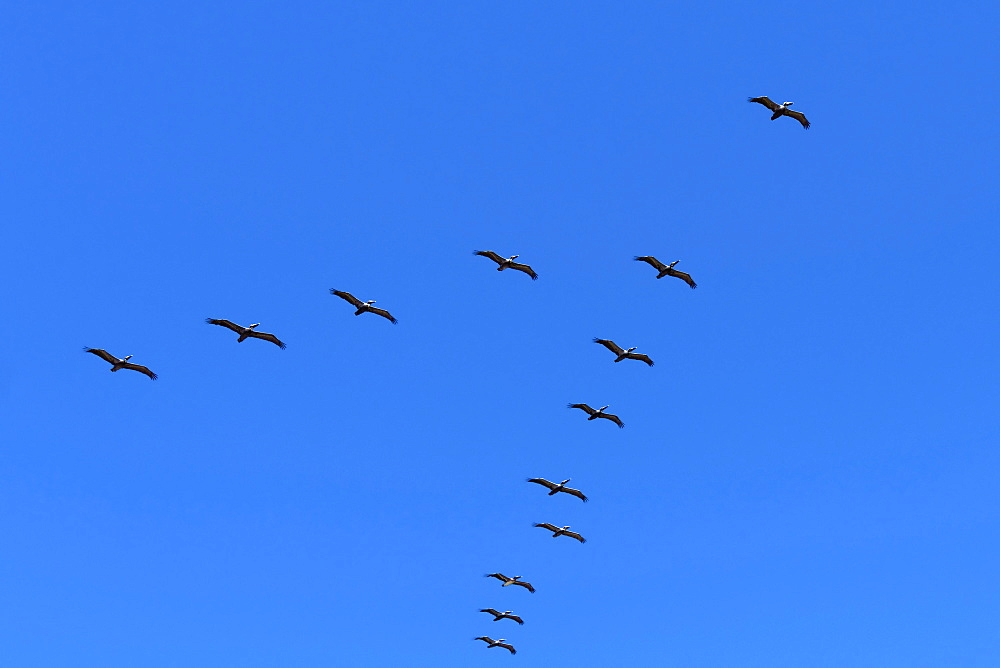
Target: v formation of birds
point(508, 263)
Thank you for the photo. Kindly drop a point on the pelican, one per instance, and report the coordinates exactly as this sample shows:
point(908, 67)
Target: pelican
point(363, 306)
point(516, 580)
point(508, 263)
point(624, 354)
point(666, 269)
point(780, 109)
point(246, 332)
point(509, 614)
point(120, 363)
point(490, 642)
point(599, 413)
point(561, 531)
point(555, 488)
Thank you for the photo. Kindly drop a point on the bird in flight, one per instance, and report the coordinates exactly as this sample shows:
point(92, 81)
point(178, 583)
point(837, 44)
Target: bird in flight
point(246, 332)
point(780, 109)
point(123, 363)
point(667, 269)
point(363, 306)
point(598, 413)
point(508, 263)
point(623, 354)
point(555, 488)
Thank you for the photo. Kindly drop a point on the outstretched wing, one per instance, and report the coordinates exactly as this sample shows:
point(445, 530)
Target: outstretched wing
point(684, 276)
point(506, 646)
point(573, 534)
point(546, 525)
point(493, 612)
point(610, 345)
point(642, 357)
point(103, 354)
point(515, 618)
point(140, 368)
point(268, 337)
point(485, 639)
point(613, 418)
point(544, 482)
point(575, 492)
point(347, 296)
point(228, 324)
point(491, 255)
point(526, 585)
point(652, 261)
point(799, 116)
point(382, 312)
point(764, 100)
point(583, 407)
point(499, 576)
point(525, 268)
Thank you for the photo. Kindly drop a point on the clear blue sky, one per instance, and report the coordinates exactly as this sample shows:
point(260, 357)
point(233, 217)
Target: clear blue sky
point(807, 476)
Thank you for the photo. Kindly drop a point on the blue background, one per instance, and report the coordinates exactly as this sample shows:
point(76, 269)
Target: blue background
point(807, 475)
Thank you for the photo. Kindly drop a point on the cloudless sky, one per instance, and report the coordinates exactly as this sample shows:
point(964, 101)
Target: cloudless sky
point(807, 477)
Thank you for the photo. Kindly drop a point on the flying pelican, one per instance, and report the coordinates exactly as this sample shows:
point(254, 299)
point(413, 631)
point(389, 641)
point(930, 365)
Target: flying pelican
point(246, 332)
point(666, 269)
point(561, 531)
point(516, 580)
point(120, 363)
point(509, 614)
point(490, 642)
point(599, 413)
point(508, 263)
point(624, 354)
point(560, 487)
point(780, 109)
point(363, 306)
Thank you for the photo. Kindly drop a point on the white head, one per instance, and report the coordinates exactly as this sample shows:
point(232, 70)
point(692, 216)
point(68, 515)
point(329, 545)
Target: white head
point(631, 349)
point(565, 481)
point(126, 358)
point(508, 612)
point(256, 324)
point(671, 265)
point(787, 104)
point(370, 302)
point(602, 408)
point(512, 258)
point(565, 527)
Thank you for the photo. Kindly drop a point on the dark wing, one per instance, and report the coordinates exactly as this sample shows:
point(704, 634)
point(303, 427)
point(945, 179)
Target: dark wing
point(493, 612)
point(684, 276)
point(506, 646)
point(641, 357)
point(491, 255)
point(546, 525)
point(485, 639)
point(347, 296)
point(140, 368)
point(575, 492)
point(573, 534)
point(526, 585)
point(764, 100)
point(103, 354)
point(652, 261)
point(799, 116)
point(613, 418)
point(268, 337)
point(499, 576)
point(610, 345)
point(382, 312)
point(583, 407)
point(525, 268)
point(543, 481)
point(515, 618)
point(228, 324)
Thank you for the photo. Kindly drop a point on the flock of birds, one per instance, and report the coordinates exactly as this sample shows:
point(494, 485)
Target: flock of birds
point(592, 414)
point(361, 307)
